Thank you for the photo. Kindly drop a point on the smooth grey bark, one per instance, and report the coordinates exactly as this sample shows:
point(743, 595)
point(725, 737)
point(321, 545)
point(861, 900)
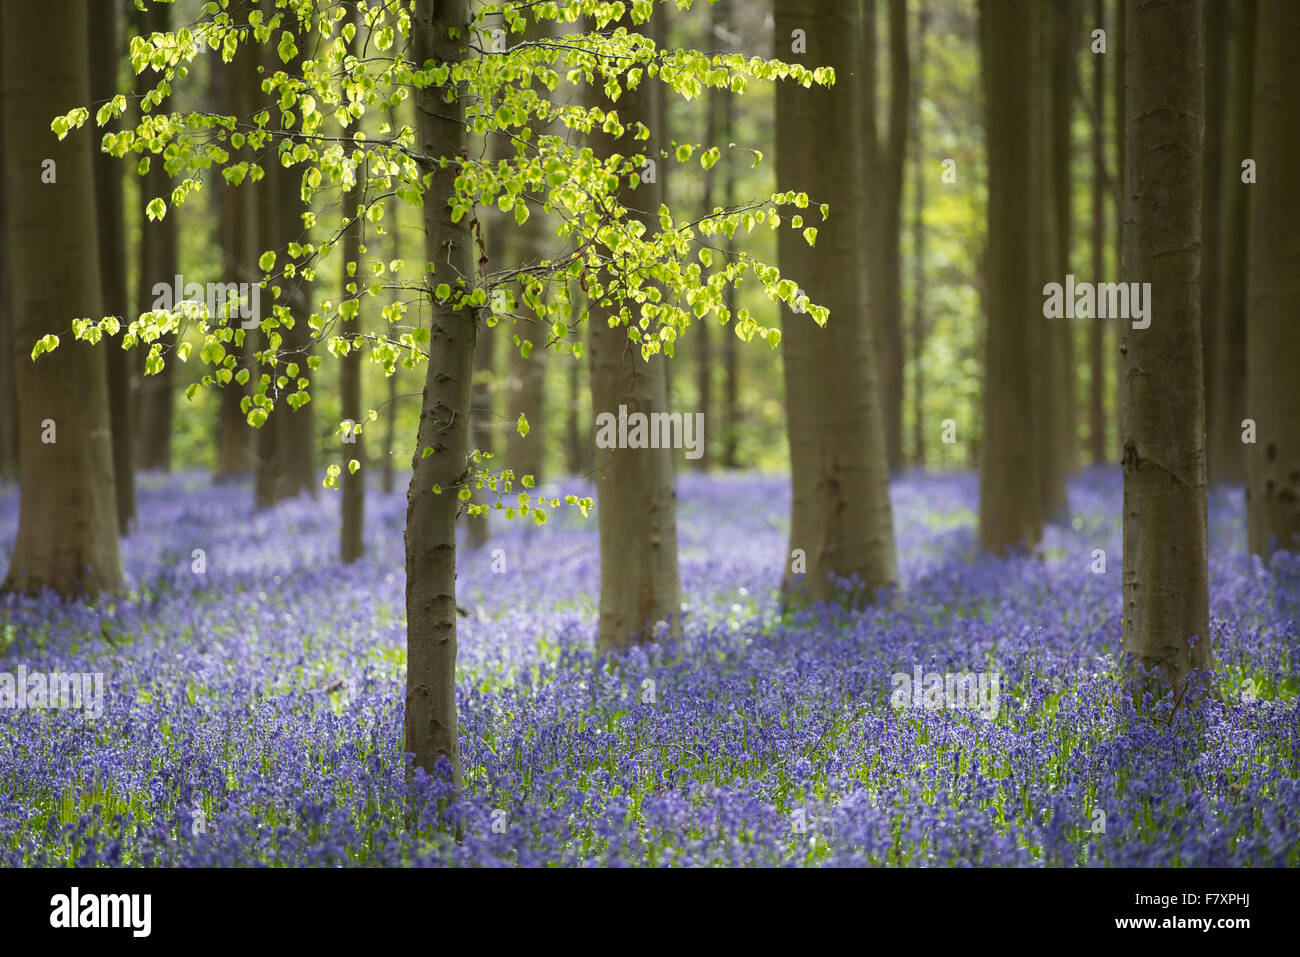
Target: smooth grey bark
point(716, 133)
point(153, 398)
point(431, 731)
point(1216, 96)
point(841, 519)
point(1166, 578)
point(1273, 490)
point(1226, 455)
point(636, 498)
point(886, 206)
point(67, 522)
point(1045, 266)
point(1097, 330)
point(352, 486)
point(1064, 29)
point(286, 444)
point(918, 245)
point(236, 85)
point(105, 55)
point(1011, 514)
point(529, 244)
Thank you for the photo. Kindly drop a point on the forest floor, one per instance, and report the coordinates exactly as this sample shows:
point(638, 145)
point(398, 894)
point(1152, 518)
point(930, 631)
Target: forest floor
point(252, 709)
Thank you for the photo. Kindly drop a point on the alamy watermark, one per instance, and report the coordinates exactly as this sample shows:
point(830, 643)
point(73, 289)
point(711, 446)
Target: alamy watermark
point(1105, 300)
point(241, 299)
point(68, 690)
point(654, 430)
point(933, 690)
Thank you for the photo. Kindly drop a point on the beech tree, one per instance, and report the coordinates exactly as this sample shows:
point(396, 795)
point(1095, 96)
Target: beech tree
point(636, 493)
point(157, 265)
point(886, 157)
point(645, 284)
point(1011, 505)
point(841, 522)
point(110, 218)
point(67, 513)
point(1273, 489)
point(1097, 330)
point(1226, 366)
point(1166, 576)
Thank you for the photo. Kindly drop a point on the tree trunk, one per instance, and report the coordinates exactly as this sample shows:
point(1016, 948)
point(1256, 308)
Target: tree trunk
point(1096, 328)
point(390, 406)
point(1121, 205)
point(8, 394)
point(1064, 27)
point(1166, 579)
point(105, 56)
point(1046, 266)
point(636, 501)
point(841, 523)
point(918, 247)
point(483, 421)
point(286, 444)
point(154, 396)
point(1226, 453)
point(715, 134)
point(578, 456)
point(887, 208)
point(236, 83)
point(67, 522)
point(529, 243)
point(1216, 98)
point(430, 727)
point(298, 426)
point(731, 411)
point(353, 485)
point(1010, 503)
point(1273, 493)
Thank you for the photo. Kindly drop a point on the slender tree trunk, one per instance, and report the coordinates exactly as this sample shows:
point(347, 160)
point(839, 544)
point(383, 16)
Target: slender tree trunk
point(1273, 492)
point(713, 136)
point(236, 84)
point(8, 395)
point(841, 523)
point(353, 485)
point(1010, 502)
point(1166, 578)
point(1064, 30)
point(110, 216)
point(1096, 329)
point(731, 411)
point(390, 435)
point(1121, 203)
point(660, 138)
point(578, 456)
point(1045, 266)
point(154, 395)
point(431, 726)
point(1227, 455)
point(483, 417)
point(530, 244)
point(298, 453)
point(1216, 98)
point(67, 522)
point(918, 246)
point(286, 448)
point(887, 297)
point(390, 406)
point(636, 501)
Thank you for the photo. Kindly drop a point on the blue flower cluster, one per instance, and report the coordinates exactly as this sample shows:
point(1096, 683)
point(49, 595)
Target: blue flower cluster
point(253, 691)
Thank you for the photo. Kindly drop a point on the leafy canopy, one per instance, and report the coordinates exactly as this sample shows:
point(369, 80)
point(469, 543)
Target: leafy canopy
point(330, 116)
